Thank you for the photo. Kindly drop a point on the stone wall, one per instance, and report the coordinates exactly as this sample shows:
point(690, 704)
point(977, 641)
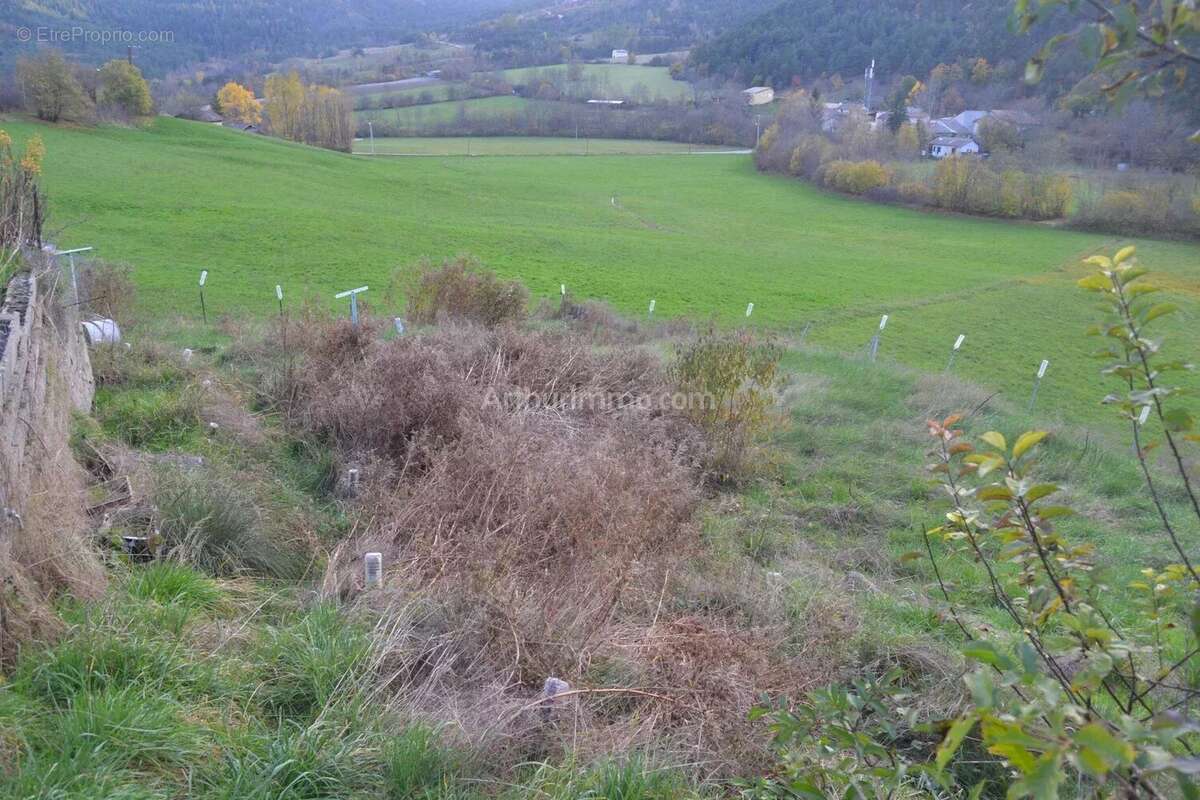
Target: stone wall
point(45, 376)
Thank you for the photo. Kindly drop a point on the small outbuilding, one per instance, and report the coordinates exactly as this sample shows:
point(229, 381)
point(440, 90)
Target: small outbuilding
point(759, 95)
point(620, 56)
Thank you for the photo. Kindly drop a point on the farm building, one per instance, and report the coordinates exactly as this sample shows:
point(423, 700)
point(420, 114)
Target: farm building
point(759, 95)
point(620, 57)
point(946, 146)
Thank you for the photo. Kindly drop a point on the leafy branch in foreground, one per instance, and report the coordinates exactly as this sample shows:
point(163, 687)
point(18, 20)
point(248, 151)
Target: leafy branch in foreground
point(1147, 46)
point(1134, 359)
point(1065, 697)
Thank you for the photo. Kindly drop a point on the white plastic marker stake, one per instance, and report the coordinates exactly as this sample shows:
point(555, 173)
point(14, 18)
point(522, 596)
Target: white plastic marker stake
point(203, 308)
point(70, 254)
point(653, 303)
point(373, 570)
point(279, 296)
point(399, 324)
point(1145, 417)
point(353, 295)
point(562, 288)
point(1038, 383)
point(749, 310)
point(873, 347)
point(957, 346)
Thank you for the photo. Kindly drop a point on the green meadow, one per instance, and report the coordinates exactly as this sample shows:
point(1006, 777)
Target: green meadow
point(442, 112)
point(613, 81)
point(526, 146)
point(703, 236)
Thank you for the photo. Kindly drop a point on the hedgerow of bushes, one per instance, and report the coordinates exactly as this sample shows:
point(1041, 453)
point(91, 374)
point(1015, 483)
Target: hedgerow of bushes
point(972, 185)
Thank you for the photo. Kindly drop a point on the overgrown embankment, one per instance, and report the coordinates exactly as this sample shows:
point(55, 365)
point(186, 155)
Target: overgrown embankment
point(545, 518)
point(45, 377)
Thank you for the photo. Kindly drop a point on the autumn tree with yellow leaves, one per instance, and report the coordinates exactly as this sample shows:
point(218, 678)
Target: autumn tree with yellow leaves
point(315, 115)
point(22, 211)
point(237, 102)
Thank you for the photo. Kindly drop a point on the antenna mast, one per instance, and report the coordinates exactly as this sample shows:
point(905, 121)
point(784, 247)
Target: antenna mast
point(870, 76)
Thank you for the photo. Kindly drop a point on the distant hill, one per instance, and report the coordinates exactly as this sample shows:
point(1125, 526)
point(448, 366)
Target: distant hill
point(202, 29)
point(808, 38)
point(593, 28)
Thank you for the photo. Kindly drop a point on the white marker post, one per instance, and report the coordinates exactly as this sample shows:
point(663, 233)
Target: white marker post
point(203, 307)
point(282, 320)
point(954, 352)
point(749, 310)
point(70, 254)
point(1037, 384)
point(874, 346)
point(353, 295)
point(373, 570)
point(653, 303)
point(1145, 417)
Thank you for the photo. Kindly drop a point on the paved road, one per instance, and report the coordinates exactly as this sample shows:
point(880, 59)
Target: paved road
point(407, 83)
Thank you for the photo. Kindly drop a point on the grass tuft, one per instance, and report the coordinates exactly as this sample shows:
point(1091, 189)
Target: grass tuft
point(312, 661)
point(418, 765)
point(209, 521)
point(99, 661)
point(171, 584)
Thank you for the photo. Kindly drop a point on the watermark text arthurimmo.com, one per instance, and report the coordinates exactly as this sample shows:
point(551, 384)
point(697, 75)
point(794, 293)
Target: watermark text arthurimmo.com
point(81, 35)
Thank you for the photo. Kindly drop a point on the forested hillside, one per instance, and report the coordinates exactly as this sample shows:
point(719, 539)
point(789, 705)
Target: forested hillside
point(593, 29)
point(183, 31)
point(807, 38)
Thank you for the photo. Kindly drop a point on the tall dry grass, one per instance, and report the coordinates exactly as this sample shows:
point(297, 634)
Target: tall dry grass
point(538, 507)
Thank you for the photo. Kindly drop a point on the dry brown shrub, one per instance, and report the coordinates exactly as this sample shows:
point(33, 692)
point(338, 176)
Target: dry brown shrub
point(107, 290)
point(460, 289)
point(404, 398)
point(535, 514)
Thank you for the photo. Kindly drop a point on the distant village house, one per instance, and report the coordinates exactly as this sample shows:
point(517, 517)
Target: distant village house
point(620, 56)
point(946, 146)
point(960, 134)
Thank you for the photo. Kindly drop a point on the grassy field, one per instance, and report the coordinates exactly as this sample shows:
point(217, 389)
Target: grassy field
point(439, 92)
point(703, 236)
point(527, 146)
point(443, 112)
point(611, 81)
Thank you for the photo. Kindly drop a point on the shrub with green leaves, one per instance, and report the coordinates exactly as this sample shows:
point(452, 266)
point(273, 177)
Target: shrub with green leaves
point(729, 382)
point(1076, 694)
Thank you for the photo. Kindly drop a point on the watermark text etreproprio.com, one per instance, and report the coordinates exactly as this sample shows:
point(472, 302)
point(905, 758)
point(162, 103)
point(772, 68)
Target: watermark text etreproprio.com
point(80, 35)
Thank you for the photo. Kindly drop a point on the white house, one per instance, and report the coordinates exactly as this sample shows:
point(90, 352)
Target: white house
point(946, 146)
point(759, 95)
point(620, 57)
